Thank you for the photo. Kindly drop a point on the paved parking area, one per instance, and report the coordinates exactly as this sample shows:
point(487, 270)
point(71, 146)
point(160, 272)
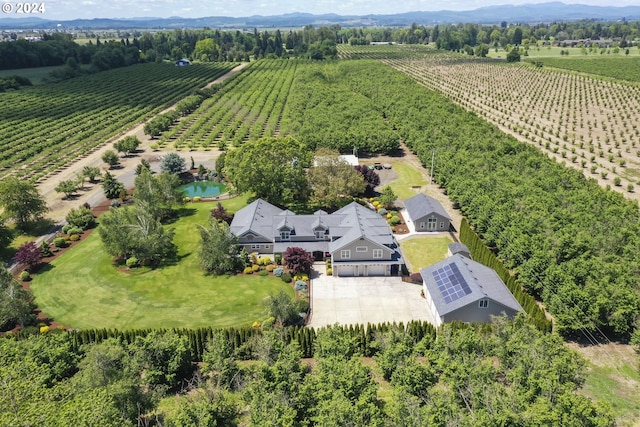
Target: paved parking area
point(362, 300)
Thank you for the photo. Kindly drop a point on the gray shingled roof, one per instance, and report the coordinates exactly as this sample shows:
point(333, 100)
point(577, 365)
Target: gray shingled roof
point(256, 217)
point(421, 205)
point(346, 225)
point(457, 247)
point(482, 281)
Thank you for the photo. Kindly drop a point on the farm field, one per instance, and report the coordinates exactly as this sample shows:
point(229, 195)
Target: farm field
point(587, 123)
point(47, 127)
point(82, 289)
point(276, 98)
point(617, 67)
point(249, 107)
point(574, 52)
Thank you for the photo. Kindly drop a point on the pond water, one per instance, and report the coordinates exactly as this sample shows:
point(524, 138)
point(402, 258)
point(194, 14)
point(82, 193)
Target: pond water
point(203, 189)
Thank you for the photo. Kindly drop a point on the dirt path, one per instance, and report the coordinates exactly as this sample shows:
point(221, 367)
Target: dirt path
point(92, 193)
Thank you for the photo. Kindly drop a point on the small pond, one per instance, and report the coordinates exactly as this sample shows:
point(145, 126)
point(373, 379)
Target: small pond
point(203, 189)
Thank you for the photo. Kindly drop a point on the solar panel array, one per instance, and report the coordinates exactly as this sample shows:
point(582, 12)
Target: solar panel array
point(451, 283)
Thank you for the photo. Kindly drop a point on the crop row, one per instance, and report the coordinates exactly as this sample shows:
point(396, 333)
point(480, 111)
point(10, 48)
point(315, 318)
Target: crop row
point(590, 124)
point(246, 108)
point(47, 127)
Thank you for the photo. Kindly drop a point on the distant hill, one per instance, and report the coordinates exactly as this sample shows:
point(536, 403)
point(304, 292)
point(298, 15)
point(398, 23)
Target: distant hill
point(528, 13)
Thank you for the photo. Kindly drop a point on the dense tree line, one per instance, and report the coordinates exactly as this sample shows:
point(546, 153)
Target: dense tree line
point(507, 373)
point(466, 37)
point(202, 45)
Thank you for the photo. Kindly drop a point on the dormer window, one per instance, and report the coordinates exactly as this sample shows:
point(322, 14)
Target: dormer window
point(285, 235)
point(319, 234)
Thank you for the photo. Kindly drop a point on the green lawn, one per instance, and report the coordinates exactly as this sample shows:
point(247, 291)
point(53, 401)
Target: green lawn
point(422, 251)
point(82, 289)
point(408, 177)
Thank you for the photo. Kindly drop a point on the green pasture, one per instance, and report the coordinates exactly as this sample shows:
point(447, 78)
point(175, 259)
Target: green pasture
point(35, 75)
point(422, 251)
point(408, 182)
point(617, 386)
point(574, 52)
point(82, 288)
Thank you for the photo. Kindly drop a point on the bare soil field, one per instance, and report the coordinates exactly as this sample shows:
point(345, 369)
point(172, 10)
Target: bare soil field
point(584, 122)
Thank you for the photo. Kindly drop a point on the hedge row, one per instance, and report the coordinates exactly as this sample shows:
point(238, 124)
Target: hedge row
point(483, 255)
point(238, 337)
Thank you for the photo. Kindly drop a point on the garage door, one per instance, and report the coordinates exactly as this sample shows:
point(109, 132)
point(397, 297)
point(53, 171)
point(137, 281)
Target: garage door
point(377, 270)
point(346, 270)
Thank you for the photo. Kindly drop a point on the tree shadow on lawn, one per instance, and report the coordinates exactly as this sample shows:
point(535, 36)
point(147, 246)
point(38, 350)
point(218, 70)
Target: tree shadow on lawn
point(183, 212)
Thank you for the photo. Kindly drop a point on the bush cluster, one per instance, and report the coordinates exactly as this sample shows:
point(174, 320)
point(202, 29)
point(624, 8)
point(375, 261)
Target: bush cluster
point(286, 278)
point(278, 272)
point(60, 242)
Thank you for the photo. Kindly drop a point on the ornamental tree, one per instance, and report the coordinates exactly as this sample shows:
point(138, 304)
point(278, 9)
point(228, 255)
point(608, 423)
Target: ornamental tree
point(91, 172)
point(273, 168)
point(21, 201)
point(111, 186)
point(110, 157)
point(297, 260)
point(219, 249)
point(67, 187)
point(371, 178)
point(28, 254)
point(172, 163)
point(127, 145)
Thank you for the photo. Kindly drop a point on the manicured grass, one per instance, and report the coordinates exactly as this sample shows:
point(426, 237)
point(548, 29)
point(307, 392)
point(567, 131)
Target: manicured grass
point(408, 177)
point(422, 251)
point(618, 387)
point(82, 289)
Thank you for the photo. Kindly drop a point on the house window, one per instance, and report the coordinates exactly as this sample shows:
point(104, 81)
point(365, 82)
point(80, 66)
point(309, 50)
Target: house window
point(285, 235)
point(483, 303)
point(266, 246)
point(377, 253)
point(442, 225)
point(361, 249)
point(421, 225)
point(431, 223)
point(345, 254)
point(319, 234)
point(255, 246)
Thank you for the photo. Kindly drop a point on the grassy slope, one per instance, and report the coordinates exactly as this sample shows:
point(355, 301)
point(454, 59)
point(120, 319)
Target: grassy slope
point(82, 289)
point(422, 251)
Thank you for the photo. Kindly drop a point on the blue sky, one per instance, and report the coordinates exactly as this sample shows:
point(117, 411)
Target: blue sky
point(71, 9)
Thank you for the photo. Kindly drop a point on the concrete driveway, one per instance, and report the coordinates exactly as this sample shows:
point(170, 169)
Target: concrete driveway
point(362, 300)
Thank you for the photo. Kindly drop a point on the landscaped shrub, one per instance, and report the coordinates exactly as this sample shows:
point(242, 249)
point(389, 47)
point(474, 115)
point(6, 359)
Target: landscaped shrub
point(197, 199)
point(382, 212)
point(329, 272)
point(74, 230)
point(300, 285)
point(394, 220)
point(302, 277)
point(25, 276)
point(278, 259)
point(269, 268)
point(278, 272)
point(66, 227)
point(74, 237)
point(263, 273)
point(255, 267)
point(132, 262)
point(248, 270)
point(60, 242)
point(286, 277)
point(264, 261)
point(45, 249)
point(81, 217)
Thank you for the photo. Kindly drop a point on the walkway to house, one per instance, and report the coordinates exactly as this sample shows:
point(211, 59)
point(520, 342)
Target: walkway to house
point(362, 300)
